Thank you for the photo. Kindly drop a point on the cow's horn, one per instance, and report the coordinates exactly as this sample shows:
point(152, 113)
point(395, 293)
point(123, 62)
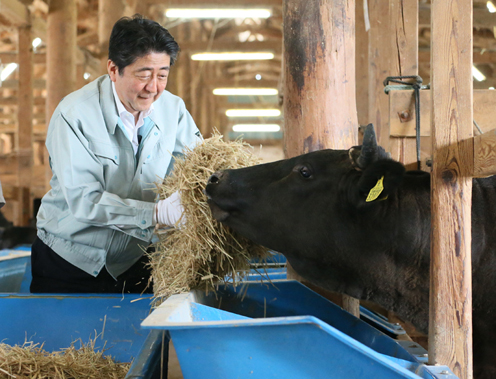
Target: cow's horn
point(369, 147)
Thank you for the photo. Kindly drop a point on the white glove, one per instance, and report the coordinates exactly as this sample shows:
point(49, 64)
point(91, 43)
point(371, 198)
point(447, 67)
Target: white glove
point(169, 211)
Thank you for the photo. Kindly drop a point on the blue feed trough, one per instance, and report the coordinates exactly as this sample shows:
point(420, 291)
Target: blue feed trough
point(257, 330)
point(283, 330)
point(13, 264)
point(56, 321)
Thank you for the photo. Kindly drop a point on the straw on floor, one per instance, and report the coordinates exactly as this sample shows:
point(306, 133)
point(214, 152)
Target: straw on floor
point(202, 251)
point(31, 361)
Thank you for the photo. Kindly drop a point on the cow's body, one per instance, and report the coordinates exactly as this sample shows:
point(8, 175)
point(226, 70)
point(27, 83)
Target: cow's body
point(312, 209)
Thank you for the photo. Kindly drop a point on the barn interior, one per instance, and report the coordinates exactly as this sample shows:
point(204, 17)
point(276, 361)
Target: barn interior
point(50, 48)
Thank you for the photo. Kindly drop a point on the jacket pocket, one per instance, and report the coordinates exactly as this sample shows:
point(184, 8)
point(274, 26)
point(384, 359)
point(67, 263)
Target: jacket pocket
point(105, 151)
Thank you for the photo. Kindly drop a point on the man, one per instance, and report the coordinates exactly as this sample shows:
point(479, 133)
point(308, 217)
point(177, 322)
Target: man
point(108, 143)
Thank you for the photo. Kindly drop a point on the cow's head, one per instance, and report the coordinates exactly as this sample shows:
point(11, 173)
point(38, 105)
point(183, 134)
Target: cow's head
point(304, 195)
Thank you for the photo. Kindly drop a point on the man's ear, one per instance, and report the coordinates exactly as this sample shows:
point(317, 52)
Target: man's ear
point(379, 180)
point(112, 70)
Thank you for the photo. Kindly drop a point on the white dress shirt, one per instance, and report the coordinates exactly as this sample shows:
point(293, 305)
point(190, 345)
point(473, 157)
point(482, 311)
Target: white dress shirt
point(128, 120)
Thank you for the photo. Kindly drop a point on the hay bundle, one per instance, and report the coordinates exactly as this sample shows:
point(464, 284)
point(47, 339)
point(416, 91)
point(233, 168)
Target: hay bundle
point(31, 361)
point(202, 251)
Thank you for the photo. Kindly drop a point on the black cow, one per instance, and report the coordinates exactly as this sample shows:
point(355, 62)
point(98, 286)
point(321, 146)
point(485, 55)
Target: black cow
point(313, 208)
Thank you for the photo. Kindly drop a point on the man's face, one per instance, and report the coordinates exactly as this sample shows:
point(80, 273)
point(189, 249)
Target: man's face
point(142, 82)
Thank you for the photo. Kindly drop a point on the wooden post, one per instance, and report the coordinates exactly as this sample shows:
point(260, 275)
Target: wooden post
point(61, 56)
point(361, 64)
point(379, 53)
point(196, 68)
point(319, 94)
point(180, 65)
point(403, 61)
point(450, 328)
point(204, 110)
point(212, 110)
point(24, 135)
point(109, 11)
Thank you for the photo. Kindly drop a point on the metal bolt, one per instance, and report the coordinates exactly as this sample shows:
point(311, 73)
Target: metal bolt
point(444, 372)
point(405, 115)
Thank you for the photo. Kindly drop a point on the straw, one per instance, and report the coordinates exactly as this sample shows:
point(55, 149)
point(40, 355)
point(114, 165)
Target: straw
point(201, 252)
point(31, 361)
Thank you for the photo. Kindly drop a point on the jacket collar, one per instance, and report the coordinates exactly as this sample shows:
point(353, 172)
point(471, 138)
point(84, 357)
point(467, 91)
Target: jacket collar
point(107, 103)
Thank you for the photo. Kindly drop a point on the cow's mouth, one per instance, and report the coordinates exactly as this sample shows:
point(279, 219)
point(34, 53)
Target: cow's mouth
point(218, 213)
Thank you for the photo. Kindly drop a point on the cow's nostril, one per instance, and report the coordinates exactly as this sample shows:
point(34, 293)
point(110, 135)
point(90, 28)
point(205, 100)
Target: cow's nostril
point(215, 177)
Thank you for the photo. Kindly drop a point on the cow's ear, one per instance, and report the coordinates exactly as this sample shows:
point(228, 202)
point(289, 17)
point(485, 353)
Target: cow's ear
point(379, 180)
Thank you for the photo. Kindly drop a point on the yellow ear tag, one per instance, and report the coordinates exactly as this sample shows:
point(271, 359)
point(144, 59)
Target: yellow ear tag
point(376, 191)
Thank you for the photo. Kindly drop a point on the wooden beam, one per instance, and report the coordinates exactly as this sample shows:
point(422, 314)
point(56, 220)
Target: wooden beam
point(218, 3)
point(82, 57)
point(485, 154)
point(12, 57)
point(15, 12)
point(9, 101)
point(11, 128)
point(223, 107)
point(478, 58)
point(263, 66)
point(450, 311)
point(481, 16)
point(88, 38)
point(223, 46)
point(14, 116)
point(402, 111)
point(14, 84)
point(222, 82)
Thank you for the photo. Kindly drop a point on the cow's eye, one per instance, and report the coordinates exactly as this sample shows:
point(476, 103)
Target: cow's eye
point(305, 172)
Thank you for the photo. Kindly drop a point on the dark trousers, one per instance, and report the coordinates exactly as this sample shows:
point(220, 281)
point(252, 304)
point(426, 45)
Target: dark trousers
point(53, 274)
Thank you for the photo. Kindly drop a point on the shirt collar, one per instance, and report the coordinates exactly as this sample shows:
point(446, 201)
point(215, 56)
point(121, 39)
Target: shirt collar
point(122, 110)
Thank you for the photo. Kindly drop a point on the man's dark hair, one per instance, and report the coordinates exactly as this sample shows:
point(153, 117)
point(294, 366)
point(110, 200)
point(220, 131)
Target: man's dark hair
point(135, 37)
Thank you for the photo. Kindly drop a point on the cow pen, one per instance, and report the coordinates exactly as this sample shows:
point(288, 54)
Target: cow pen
point(392, 51)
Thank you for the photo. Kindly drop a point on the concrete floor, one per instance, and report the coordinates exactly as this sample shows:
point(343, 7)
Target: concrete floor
point(174, 368)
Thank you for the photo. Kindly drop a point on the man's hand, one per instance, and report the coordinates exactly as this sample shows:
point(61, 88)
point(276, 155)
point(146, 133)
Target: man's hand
point(169, 211)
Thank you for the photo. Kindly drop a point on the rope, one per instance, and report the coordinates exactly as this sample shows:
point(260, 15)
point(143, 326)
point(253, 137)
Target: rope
point(478, 128)
point(403, 85)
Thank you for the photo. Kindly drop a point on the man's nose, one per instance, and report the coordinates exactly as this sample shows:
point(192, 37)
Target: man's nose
point(152, 85)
